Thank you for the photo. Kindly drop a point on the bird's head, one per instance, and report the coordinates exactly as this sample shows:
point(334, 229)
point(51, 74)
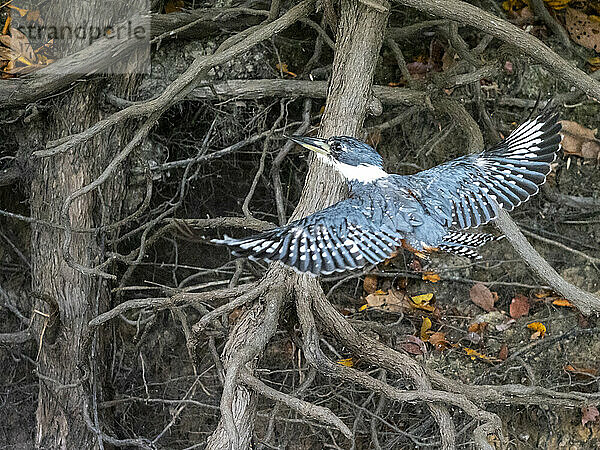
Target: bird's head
point(353, 159)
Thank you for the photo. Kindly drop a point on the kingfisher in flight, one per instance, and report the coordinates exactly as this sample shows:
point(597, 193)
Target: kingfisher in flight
point(424, 212)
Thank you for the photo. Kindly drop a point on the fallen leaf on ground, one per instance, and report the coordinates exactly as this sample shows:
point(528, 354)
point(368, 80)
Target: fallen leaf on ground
point(6, 26)
point(543, 293)
point(582, 29)
point(22, 12)
point(474, 354)
point(539, 328)
point(589, 414)
point(423, 302)
point(283, 67)
point(579, 140)
point(519, 306)
point(518, 11)
point(438, 340)
point(483, 297)
point(374, 138)
point(431, 276)
point(478, 327)
point(413, 345)
point(415, 266)
point(581, 372)
point(503, 353)
point(557, 4)
point(562, 302)
point(513, 5)
point(392, 301)
point(425, 327)
point(370, 284)
point(594, 63)
point(419, 69)
point(19, 43)
point(348, 362)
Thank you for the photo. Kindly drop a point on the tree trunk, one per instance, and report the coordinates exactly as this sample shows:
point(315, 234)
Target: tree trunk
point(359, 37)
point(69, 297)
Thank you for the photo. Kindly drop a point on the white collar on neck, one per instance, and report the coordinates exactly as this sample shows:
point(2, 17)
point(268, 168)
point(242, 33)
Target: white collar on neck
point(363, 173)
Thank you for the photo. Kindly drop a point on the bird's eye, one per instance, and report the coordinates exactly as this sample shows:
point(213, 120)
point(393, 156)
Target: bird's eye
point(334, 147)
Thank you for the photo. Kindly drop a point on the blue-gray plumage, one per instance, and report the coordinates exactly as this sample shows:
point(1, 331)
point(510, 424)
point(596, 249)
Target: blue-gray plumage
point(422, 212)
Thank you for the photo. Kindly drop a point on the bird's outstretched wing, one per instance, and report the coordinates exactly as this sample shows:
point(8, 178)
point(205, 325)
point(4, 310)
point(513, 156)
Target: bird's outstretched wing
point(343, 237)
point(467, 191)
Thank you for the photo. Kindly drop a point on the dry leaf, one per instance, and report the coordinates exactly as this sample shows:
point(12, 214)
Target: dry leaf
point(422, 299)
point(448, 60)
point(439, 342)
point(6, 25)
point(503, 353)
point(557, 4)
point(519, 306)
point(392, 301)
point(539, 328)
point(478, 327)
point(234, 315)
point(579, 140)
point(570, 127)
point(513, 5)
point(422, 302)
point(543, 293)
point(413, 345)
point(370, 284)
point(562, 302)
point(483, 297)
point(589, 414)
point(431, 276)
point(374, 137)
point(476, 355)
point(425, 327)
point(581, 372)
point(418, 69)
point(19, 43)
point(415, 266)
point(594, 63)
point(22, 12)
point(582, 29)
point(348, 362)
point(283, 67)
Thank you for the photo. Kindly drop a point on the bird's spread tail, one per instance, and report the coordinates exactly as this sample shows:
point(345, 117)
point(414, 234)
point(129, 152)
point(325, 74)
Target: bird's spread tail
point(465, 244)
point(517, 166)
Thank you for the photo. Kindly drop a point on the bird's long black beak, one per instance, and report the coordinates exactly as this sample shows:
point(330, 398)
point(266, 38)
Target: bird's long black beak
point(316, 145)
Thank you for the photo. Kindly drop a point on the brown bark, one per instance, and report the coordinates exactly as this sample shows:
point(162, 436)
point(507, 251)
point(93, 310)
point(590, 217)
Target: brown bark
point(71, 298)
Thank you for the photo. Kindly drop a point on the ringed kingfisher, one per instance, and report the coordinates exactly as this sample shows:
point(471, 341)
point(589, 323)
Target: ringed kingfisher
point(424, 212)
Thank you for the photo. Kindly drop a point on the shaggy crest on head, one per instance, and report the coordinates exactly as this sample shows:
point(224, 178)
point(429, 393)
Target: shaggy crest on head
point(424, 212)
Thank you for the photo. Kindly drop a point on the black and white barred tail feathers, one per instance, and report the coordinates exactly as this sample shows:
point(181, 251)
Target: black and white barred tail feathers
point(466, 192)
point(465, 244)
point(336, 239)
